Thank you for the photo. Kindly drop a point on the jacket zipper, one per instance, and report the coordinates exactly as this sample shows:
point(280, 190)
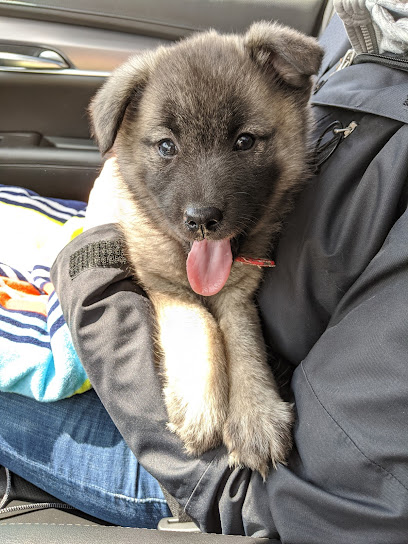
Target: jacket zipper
point(391, 62)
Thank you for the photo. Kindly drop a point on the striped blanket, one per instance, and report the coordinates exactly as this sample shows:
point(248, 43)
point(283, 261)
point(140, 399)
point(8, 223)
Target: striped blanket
point(37, 358)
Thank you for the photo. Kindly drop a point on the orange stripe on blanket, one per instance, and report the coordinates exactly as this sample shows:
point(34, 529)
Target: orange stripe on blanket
point(18, 285)
point(21, 295)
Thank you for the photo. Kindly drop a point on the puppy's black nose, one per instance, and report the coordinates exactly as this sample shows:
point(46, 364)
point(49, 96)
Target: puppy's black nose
point(202, 218)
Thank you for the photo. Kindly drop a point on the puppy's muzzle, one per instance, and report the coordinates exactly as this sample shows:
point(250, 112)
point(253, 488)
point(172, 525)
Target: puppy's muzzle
point(202, 219)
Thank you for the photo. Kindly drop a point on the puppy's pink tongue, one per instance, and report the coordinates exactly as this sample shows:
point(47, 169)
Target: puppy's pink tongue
point(208, 266)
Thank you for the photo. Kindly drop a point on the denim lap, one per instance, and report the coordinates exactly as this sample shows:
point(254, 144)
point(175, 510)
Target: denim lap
point(72, 450)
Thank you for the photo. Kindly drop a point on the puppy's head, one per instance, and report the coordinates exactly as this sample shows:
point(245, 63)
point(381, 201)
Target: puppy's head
point(212, 132)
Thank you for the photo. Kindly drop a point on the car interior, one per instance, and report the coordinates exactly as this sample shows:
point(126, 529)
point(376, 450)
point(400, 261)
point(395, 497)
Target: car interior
point(54, 55)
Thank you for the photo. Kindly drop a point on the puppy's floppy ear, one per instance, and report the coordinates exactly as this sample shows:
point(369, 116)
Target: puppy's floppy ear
point(293, 56)
point(108, 106)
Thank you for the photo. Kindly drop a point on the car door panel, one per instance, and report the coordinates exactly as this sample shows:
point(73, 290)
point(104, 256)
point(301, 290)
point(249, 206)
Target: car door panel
point(37, 112)
point(173, 19)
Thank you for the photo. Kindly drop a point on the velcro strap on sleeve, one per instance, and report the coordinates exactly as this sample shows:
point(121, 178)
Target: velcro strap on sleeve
point(102, 254)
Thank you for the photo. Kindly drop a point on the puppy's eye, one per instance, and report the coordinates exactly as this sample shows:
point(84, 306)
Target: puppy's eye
point(244, 142)
point(167, 148)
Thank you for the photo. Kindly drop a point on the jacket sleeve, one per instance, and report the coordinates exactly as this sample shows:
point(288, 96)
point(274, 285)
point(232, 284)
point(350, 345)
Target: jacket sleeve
point(347, 478)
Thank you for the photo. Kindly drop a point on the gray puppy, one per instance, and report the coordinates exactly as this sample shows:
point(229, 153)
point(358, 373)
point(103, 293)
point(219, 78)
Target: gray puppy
point(210, 136)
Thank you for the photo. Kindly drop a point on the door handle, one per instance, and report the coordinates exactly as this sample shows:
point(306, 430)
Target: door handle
point(48, 60)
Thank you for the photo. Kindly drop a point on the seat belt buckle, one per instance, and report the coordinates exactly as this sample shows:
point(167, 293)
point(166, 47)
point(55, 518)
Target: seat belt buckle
point(174, 524)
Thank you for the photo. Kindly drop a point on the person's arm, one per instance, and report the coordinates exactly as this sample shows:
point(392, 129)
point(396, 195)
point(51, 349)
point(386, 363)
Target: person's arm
point(111, 325)
point(348, 475)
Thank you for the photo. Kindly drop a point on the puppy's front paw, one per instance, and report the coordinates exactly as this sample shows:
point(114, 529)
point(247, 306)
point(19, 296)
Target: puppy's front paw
point(199, 424)
point(260, 436)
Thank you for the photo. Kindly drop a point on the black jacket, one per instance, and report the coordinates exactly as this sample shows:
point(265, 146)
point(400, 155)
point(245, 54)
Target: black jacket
point(335, 308)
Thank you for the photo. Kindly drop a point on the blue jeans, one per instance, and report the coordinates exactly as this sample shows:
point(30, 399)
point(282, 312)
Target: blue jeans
point(72, 450)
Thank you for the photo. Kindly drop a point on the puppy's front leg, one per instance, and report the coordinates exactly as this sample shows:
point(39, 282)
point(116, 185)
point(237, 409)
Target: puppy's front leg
point(257, 431)
point(194, 369)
